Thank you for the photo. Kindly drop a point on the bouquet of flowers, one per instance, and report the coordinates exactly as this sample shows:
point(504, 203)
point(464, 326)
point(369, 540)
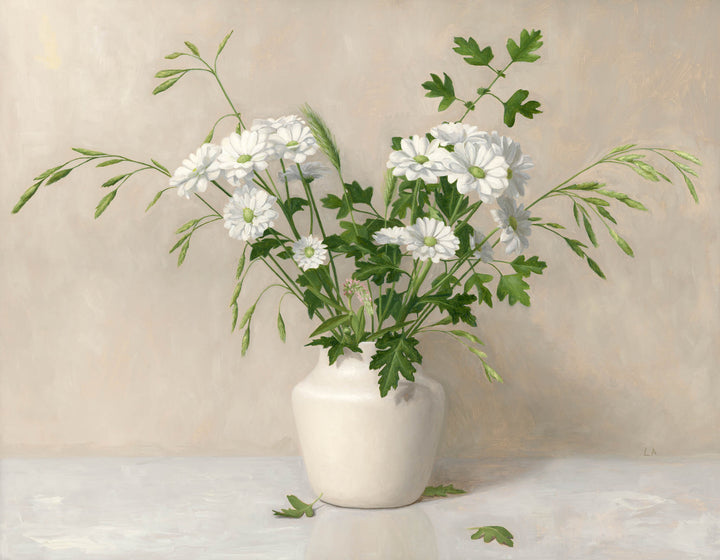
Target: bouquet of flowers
point(418, 262)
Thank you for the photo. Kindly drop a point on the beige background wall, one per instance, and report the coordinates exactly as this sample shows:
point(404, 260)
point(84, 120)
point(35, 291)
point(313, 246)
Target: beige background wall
point(108, 348)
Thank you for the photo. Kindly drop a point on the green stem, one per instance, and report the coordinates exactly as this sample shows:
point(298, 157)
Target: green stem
point(208, 205)
point(221, 188)
point(497, 77)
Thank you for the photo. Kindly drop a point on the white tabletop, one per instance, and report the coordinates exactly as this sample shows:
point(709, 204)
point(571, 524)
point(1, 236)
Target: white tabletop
point(210, 508)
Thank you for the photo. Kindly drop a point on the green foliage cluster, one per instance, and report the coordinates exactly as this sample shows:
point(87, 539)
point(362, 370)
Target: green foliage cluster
point(403, 299)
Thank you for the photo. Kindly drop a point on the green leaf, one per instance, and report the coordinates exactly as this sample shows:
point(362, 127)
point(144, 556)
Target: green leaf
point(467, 336)
point(58, 175)
point(691, 188)
point(515, 105)
point(590, 232)
point(262, 247)
point(529, 42)
point(114, 180)
point(595, 268)
point(234, 308)
point(88, 152)
point(161, 167)
point(168, 73)
point(396, 353)
point(165, 85)
point(390, 184)
point(245, 342)
point(439, 88)
point(480, 354)
point(180, 242)
point(109, 162)
point(157, 197)
point(621, 243)
point(248, 314)
point(236, 295)
point(330, 324)
point(192, 48)
point(441, 491)
point(45, 174)
point(622, 197)
point(469, 49)
point(646, 171)
point(590, 186)
point(171, 56)
point(27, 195)
point(605, 214)
point(687, 156)
point(478, 281)
point(457, 307)
point(299, 508)
point(533, 265)
point(240, 266)
point(576, 246)
point(104, 203)
point(281, 326)
point(187, 225)
point(491, 374)
point(183, 251)
point(513, 286)
point(621, 148)
point(493, 532)
point(223, 43)
point(596, 201)
point(629, 157)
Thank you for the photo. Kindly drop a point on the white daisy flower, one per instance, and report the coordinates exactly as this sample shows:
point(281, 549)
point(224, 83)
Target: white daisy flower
point(391, 236)
point(310, 170)
point(249, 213)
point(293, 140)
point(243, 154)
point(310, 252)
point(455, 133)
point(515, 224)
point(197, 171)
point(517, 163)
point(485, 251)
point(431, 239)
point(478, 167)
point(419, 159)
point(269, 126)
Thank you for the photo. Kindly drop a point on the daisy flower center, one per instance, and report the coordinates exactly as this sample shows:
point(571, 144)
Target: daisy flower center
point(309, 252)
point(476, 172)
point(421, 159)
point(244, 158)
point(430, 241)
point(512, 220)
point(292, 144)
point(509, 173)
point(248, 215)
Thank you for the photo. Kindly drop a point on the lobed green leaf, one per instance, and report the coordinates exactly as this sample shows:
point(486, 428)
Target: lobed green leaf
point(529, 42)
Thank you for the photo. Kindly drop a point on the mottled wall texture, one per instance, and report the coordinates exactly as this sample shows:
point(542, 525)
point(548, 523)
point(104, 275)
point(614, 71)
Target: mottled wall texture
point(109, 348)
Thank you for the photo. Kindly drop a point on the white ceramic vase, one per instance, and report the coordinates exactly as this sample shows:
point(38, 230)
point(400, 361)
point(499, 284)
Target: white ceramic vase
point(362, 450)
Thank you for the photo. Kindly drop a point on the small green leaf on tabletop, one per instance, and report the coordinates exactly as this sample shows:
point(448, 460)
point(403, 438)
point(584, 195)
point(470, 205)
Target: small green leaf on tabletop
point(441, 491)
point(298, 509)
point(529, 42)
point(493, 532)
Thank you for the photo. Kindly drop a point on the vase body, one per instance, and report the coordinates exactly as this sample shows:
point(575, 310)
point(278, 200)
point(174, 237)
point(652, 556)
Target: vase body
point(362, 450)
